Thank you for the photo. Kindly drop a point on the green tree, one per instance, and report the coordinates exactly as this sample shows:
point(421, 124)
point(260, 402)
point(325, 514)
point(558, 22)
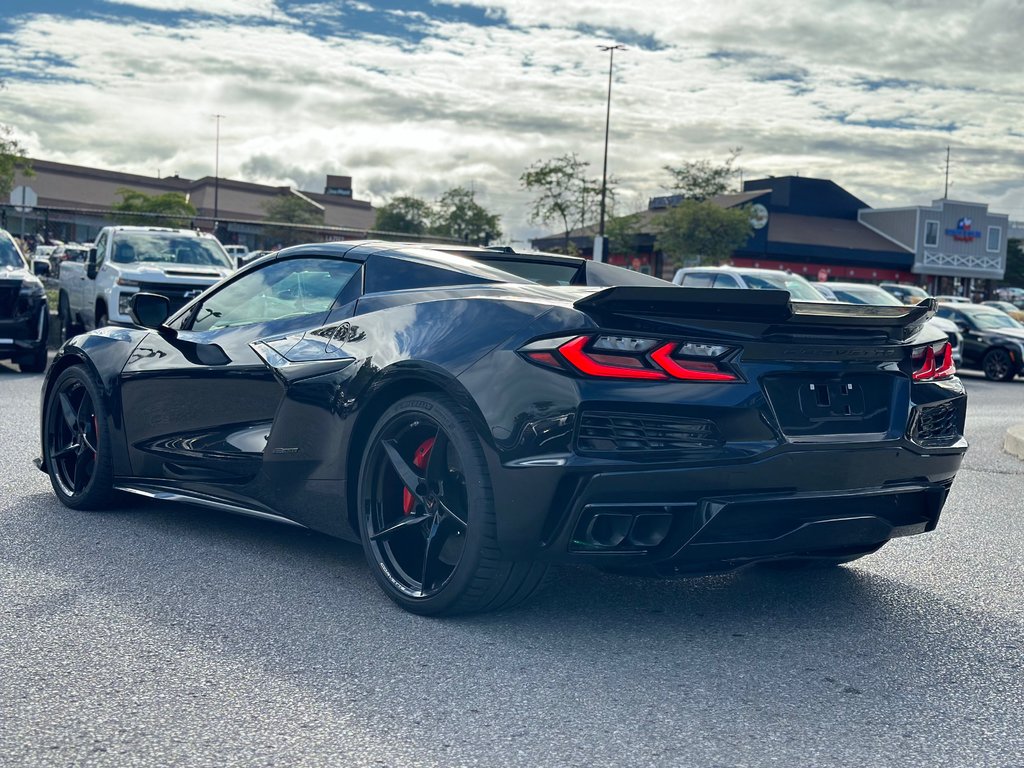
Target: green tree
point(170, 209)
point(286, 210)
point(702, 230)
point(406, 214)
point(1014, 264)
point(702, 179)
point(459, 216)
point(565, 193)
point(12, 158)
point(622, 232)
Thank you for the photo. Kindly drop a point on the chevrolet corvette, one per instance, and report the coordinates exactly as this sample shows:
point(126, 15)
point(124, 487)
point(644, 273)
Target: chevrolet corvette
point(470, 422)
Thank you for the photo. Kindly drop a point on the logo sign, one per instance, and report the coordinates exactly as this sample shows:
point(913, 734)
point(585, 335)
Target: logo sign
point(963, 232)
point(758, 216)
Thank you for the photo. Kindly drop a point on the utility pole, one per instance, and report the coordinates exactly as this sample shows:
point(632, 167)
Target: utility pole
point(945, 191)
point(599, 243)
point(216, 173)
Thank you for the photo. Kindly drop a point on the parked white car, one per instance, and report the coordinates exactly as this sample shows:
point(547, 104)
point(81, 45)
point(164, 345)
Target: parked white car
point(176, 263)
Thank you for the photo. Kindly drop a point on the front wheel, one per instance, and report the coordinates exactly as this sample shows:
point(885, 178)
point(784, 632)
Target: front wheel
point(76, 442)
point(998, 365)
point(427, 514)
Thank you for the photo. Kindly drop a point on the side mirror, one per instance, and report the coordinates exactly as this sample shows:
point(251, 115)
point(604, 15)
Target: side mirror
point(90, 264)
point(149, 309)
point(41, 268)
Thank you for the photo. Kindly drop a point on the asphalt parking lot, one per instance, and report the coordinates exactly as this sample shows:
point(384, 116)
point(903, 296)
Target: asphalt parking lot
point(157, 634)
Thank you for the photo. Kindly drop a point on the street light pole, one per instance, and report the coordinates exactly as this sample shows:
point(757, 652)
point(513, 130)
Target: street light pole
point(599, 246)
point(216, 173)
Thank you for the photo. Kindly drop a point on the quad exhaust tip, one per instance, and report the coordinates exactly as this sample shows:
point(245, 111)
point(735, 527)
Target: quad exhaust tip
point(622, 530)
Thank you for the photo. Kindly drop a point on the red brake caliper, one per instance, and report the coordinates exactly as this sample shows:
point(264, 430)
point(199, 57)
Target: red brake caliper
point(419, 460)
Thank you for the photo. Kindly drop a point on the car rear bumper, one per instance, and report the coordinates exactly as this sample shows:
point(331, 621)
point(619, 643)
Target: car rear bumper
point(798, 501)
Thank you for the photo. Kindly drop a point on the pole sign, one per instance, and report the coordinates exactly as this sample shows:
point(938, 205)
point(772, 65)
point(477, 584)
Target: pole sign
point(24, 199)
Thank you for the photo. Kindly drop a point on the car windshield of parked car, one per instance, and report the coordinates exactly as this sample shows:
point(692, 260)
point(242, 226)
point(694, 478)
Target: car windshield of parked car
point(993, 321)
point(168, 248)
point(797, 287)
point(286, 289)
point(865, 294)
point(10, 258)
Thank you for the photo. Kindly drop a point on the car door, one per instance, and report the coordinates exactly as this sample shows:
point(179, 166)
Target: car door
point(974, 346)
point(198, 403)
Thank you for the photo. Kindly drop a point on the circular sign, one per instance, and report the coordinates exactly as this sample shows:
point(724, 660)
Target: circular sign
point(24, 199)
point(758, 216)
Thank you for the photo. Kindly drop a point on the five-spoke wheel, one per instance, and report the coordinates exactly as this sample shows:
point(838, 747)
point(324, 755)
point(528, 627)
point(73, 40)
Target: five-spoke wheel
point(76, 446)
point(426, 513)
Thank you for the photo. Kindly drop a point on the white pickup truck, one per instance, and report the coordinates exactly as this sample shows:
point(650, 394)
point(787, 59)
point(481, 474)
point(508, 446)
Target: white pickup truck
point(176, 263)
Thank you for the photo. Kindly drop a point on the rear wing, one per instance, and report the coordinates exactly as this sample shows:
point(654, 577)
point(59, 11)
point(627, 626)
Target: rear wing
point(774, 311)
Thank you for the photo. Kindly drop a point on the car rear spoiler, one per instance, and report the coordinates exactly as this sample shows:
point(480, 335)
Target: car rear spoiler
point(760, 307)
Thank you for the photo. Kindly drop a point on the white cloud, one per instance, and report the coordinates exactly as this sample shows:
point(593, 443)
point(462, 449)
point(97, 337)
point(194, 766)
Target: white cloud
point(821, 88)
point(241, 8)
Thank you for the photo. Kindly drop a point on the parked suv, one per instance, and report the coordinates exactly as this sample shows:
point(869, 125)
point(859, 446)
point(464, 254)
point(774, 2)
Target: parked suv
point(176, 263)
point(24, 314)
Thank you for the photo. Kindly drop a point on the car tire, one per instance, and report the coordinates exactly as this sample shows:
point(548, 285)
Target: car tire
point(68, 329)
point(77, 442)
point(433, 548)
point(998, 365)
point(101, 317)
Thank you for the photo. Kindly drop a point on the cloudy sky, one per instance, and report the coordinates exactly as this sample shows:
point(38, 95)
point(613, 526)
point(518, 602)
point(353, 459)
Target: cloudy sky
point(416, 96)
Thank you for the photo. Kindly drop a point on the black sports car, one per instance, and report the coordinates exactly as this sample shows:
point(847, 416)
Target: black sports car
point(470, 426)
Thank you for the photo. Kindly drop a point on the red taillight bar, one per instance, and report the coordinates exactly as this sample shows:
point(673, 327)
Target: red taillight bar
point(933, 369)
point(663, 357)
point(573, 352)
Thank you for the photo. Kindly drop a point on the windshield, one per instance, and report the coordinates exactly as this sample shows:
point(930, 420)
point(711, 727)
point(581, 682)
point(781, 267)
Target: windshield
point(798, 288)
point(168, 248)
point(10, 256)
point(866, 294)
point(992, 321)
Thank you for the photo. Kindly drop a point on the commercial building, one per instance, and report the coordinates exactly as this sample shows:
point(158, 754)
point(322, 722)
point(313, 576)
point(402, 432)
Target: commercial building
point(957, 246)
point(73, 202)
point(817, 229)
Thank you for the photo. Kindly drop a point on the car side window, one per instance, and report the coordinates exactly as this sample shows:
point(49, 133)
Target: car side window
point(698, 280)
point(289, 288)
point(726, 281)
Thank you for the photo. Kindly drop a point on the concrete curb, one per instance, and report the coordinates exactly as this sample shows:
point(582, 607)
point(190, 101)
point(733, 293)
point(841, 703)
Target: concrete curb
point(1014, 441)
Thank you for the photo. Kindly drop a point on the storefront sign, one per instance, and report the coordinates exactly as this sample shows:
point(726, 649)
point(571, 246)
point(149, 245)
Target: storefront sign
point(963, 232)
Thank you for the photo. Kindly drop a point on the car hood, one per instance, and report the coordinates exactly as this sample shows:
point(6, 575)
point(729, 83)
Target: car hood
point(6, 273)
point(1007, 333)
point(185, 272)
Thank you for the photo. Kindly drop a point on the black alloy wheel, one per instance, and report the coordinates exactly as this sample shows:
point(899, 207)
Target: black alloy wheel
point(426, 514)
point(77, 447)
point(998, 365)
